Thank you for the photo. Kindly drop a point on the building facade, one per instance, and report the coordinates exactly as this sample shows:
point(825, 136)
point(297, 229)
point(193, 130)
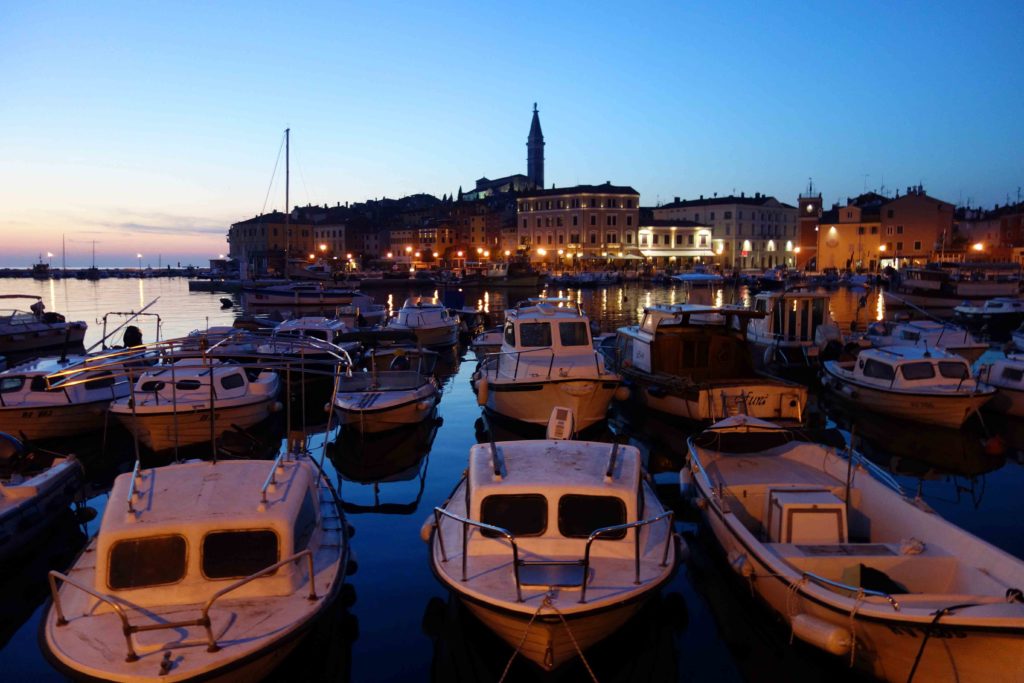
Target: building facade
point(747, 232)
point(582, 222)
point(675, 244)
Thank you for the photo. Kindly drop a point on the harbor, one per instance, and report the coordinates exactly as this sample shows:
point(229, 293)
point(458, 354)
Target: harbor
point(701, 621)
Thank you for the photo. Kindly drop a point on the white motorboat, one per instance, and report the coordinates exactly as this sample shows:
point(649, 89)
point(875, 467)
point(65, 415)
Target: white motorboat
point(699, 277)
point(315, 329)
point(949, 285)
point(379, 401)
point(909, 382)
point(307, 294)
point(997, 317)
point(547, 359)
point(927, 334)
point(1006, 375)
point(488, 341)
point(35, 487)
point(429, 321)
point(402, 357)
point(552, 544)
point(853, 566)
point(200, 571)
point(35, 331)
point(796, 325)
point(692, 362)
point(194, 400)
point(51, 398)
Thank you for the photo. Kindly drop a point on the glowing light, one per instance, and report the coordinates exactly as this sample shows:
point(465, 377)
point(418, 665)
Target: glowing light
point(508, 253)
point(218, 255)
point(323, 247)
point(390, 255)
point(50, 255)
point(348, 256)
point(796, 250)
point(312, 256)
point(561, 252)
point(479, 250)
point(138, 256)
point(541, 251)
point(881, 247)
point(487, 254)
point(408, 250)
point(459, 252)
point(418, 254)
point(436, 254)
point(978, 246)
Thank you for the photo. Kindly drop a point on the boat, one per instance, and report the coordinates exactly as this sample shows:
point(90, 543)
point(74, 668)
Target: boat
point(796, 326)
point(855, 568)
point(692, 361)
point(402, 357)
point(996, 317)
point(315, 329)
point(200, 571)
point(429, 321)
point(311, 294)
point(488, 341)
point(699, 277)
point(59, 397)
point(36, 487)
point(379, 401)
point(35, 331)
point(552, 544)
point(909, 382)
point(928, 334)
point(1006, 375)
point(195, 400)
point(946, 285)
point(547, 359)
point(513, 273)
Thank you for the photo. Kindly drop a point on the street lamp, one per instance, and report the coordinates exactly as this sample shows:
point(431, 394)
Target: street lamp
point(508, 253)
point(312, 257)
point(436, 254)
point(881, 248)
point(390, 255)
point(459, 252)
point(978, 246)
point(323, 248)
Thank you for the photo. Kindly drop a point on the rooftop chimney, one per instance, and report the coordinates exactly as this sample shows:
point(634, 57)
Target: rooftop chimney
point(677, 200)
point(702, 196)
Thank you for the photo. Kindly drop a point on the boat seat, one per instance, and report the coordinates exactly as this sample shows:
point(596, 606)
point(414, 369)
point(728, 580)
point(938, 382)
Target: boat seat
point(552, 573)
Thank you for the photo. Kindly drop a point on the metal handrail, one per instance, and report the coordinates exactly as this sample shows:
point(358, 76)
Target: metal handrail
point(131, 487)
point(517, 563)
point(853, 589)
point(129, 629)
point(271, 478)
point(489, 527)
point(492, 361)
point(594, 535)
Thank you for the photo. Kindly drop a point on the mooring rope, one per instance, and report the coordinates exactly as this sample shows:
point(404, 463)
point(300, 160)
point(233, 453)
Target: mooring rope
point(546, 603)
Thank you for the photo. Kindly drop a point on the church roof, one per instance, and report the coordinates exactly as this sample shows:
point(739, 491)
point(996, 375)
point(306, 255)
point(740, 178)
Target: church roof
point(607, 188)
point(535, 132)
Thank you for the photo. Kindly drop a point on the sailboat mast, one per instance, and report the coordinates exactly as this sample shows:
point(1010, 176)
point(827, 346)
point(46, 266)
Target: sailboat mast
point(287, 204)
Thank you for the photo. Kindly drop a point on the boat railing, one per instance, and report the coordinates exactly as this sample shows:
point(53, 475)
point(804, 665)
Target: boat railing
point(129, 629)
point(857, 590)
point(271, 479)
point(132, 486)
point(493, 362)
point(583, 563)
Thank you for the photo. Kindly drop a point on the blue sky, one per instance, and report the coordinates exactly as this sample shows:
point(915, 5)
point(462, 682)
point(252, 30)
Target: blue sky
point(150, 127)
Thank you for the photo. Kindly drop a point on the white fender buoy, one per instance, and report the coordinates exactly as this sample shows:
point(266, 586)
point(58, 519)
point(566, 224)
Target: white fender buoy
point(621, 393)
point(427, 528)
point(821, 634)
point(481, 391)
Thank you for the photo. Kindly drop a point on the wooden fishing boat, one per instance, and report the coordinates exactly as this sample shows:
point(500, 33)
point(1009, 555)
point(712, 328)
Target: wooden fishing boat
point(853, 566)
point(200, 571)
point(382, 400)
point(552, 544)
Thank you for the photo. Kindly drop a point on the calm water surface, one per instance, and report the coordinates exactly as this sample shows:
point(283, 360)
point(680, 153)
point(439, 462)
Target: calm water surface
point(403, 626)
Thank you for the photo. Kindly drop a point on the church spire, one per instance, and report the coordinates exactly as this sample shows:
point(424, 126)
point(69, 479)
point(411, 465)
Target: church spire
point(535, 152)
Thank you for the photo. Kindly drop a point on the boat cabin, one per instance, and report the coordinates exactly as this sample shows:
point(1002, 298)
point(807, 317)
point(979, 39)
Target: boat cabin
point(420, 312)
point(910, 368)
point(686, 340)
point(311, 327)
point(793, 317)
point(188, 380)
point(546, 493)
point(189, 530)
point(547, 324)
point(1002, 305)
point(31, 383)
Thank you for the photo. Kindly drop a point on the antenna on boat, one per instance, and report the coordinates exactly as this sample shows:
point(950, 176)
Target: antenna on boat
point(609, 473)
point(497, 461)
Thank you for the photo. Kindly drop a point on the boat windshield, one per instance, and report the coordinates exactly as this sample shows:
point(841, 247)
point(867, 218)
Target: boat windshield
point(953, 370)
point(920, 370)
point(152, 561)
point(573, 334)
point(535, 334)
point(579, 516)
point(237, 554)
point(521, 514)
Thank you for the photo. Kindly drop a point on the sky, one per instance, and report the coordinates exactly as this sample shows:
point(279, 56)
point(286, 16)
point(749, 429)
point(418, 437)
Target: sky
point(148, 127)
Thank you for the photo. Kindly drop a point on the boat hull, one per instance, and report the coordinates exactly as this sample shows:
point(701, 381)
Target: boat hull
point(36, 423)
point(757, 398)
point(944, 410)
point(42, 337)
point(165, 430)
point(23, 521)
point(532, 402)
point(370, 420)
point(447, 335)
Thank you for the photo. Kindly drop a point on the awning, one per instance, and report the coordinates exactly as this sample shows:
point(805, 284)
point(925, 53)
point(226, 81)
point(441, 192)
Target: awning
point(678, 253)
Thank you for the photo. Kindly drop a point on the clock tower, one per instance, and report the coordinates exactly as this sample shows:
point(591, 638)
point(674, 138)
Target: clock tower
point(809, 211)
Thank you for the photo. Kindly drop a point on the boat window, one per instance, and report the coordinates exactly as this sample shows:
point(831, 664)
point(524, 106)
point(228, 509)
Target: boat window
point(9, 384)
point(573, 334)
point(994, 304)
point(237, 554)
point(305, 523)
point(910, 336)
point(579, 516)
point(152, 385)
point(877, 370)
point(522, 515)
point(953, 370)
point(317, 334)
point(102, 380)
point(922, 370)
point(535, 334)
point(153, 561)
point(761, 305)
point(510, 334)
point(38, 383)
point(649, 324)
point(1012, 374)
point(232, 381)
point(187, 385)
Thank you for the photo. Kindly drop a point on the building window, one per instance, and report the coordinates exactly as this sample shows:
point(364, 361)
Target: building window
point(629, 238)
point(899, 229)
point(712, 216)
point(629, 220)
point(575, 220)
point(728, 215)
point(689, 239)
point(593, 220)
point(561, 238)
point(593, 238)
point(643, 240)
point(550, 239)
point(654, 239)
point(888, 230)
point(874, 230)
point(899, 246)
point(860, 230)
point(917, 246)
point(524, 222)
point(703, 240)
point(558, 221)
point(739, 230)
point(611, 238)
point(739, 215)
point(889, 213)
point(538, 222)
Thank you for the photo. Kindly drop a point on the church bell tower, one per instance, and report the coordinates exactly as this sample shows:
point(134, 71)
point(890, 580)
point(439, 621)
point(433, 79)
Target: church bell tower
point(535, 152)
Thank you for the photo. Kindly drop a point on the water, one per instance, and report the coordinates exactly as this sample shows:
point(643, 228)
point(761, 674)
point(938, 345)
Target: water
point(404, 627)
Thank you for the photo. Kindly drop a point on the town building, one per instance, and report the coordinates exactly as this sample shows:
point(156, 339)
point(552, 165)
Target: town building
point(809, 210)
point(747, 232)
point(997, 233)
point(585, 222)
point(258, 244)
point(674, 244)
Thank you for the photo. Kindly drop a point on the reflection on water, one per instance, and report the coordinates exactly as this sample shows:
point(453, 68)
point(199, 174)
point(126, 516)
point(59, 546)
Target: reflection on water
point(704, 626)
